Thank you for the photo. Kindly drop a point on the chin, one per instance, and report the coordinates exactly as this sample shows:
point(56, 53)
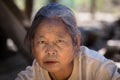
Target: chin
point(52, 70)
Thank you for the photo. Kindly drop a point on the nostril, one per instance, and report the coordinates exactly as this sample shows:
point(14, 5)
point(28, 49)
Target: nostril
point(54, 53)
point(51, 52)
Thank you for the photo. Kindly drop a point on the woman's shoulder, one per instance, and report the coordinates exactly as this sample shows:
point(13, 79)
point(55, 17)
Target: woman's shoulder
point(29, 73)
point(92, 54)
point(96, 63)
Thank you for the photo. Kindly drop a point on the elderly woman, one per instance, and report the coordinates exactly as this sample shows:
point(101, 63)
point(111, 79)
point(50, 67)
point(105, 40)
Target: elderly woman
point(55, 42)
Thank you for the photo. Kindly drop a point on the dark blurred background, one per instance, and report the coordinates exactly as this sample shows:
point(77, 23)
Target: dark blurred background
point(98, 21)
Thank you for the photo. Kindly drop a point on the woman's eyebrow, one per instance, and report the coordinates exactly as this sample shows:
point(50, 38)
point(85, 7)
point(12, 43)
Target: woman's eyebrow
point(39, 36)
point(61, 35)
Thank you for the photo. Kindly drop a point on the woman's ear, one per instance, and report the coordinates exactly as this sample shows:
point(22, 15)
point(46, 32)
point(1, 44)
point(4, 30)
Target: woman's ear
point(78, 43)
point(78, 40)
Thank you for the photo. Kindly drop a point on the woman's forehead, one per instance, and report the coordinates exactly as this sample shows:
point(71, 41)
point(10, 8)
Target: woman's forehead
point(47, 24)
point(52, 21)
point(52, 26)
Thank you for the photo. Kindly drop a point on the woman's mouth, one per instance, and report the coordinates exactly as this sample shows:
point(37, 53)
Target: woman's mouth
point(50, 62)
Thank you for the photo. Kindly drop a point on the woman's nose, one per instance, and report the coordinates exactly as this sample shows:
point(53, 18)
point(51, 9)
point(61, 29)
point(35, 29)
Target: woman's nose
point(51, 50)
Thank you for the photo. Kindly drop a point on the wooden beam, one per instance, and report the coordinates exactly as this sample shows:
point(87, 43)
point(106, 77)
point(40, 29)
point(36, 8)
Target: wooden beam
point(28, 8)
point(93, 8)
point(14, 29)
point(14, 9)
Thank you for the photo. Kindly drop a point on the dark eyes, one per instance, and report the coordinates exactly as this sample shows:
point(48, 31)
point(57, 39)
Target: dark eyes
point(41, 42)
point(59, 41)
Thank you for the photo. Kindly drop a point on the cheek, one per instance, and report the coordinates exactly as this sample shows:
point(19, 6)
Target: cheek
point(69, 48)
point(39, 50)
point(68, 54)
point(38, 54)
point(67, 58)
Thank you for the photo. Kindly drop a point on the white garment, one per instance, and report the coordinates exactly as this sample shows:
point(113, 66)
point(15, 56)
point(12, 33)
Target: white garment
point(89, 65)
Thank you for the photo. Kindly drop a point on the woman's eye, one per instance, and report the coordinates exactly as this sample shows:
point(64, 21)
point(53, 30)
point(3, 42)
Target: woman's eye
point(41, 42)
point(59, 41)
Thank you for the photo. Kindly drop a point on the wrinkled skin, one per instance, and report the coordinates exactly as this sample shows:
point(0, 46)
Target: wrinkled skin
point(53, 48)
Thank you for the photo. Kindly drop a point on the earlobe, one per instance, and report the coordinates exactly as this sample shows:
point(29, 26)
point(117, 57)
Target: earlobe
point(78, 38)
point(78, 43)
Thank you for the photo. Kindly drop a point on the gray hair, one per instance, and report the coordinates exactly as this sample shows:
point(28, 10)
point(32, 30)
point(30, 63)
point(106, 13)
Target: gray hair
point(50, 11)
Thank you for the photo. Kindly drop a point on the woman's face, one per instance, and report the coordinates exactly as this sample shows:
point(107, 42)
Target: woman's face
point(52, 46)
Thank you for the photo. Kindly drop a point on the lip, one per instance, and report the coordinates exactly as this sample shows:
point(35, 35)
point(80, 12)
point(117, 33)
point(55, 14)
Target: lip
point(50, 62)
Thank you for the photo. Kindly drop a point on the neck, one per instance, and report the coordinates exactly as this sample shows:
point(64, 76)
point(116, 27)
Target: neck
point(63, 74)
